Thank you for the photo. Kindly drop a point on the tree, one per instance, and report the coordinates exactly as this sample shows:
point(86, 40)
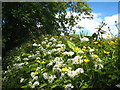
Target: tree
point(20, 19)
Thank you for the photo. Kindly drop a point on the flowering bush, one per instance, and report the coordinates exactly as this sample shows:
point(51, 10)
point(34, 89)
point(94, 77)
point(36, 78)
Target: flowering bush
point(63, 62)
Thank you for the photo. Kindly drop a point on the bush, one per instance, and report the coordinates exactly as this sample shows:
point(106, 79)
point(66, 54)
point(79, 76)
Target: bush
point(63, 62)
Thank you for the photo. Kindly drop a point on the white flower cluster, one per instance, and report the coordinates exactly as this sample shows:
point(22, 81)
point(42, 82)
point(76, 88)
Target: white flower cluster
point(35, 44)
point(69, 53)
point(69, 86)
point(34, 76)
point(48, 77)
point(84, 39)
point(36, 83)
point(53, 39)
point(18, 58)
point(18, 65)
point(21, 80)
point(77, 60)
point(80, 51)
point(72, 73)
point(58, 63)
point(60, 45)
point(25, 59)
point(98, 64)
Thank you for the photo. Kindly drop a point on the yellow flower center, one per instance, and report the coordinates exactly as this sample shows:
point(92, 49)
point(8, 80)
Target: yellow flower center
point(63, 53)
point(84, 47)
point(35, 73)
point(47, 45)
point(38, 61)
point(89, 47)
point(95, 56)
point(84, 56)
point(99, 45)
point(44, 54)
point(106, 52)
point(43, 62)
point(64, 69)
point(26, 63)
point(95, 42)
point(77, 49)
point(86, 60)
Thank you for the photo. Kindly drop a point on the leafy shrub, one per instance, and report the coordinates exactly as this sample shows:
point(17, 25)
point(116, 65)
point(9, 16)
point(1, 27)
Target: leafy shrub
point(63, 62)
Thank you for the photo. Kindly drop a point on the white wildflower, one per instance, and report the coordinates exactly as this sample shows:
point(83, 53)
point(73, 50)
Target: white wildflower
point(60, 42)
point(69, 53)
point(118, 85)
point(53, 50)
point(18, 58)
point(84, 39)
point(91, 50)
point(98, 60)
point(51, 63)
point(30, 83)
point(18, 65)
point(37, 57)
point(77, 60)
point(69, 60)
point(21, 80)
point(53, 39)
point(38, 68)
point(69, 86)
point(46, 38)
point(25, 59)
point(32, 74)
point(60, 45)
point(36, 83)
point(71, 38)
point(73, 73)
point(43, 42)
point(51, 78)
point(99, 66)
point(39, 44)
point(79, 70)
point(49, 52)
point(80, 51)
point(37, 52)
point(35, 44)
point(49, 43)
point(45, 75)
point(35, 77)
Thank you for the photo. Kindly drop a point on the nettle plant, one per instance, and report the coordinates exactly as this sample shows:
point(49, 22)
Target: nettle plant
point(56, 62)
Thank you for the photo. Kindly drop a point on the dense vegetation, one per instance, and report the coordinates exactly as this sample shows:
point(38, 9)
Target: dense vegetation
point(20, 20)
point(35, 55)
point(63, 62)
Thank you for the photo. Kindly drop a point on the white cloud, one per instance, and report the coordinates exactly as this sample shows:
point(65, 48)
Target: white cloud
point(91, 25)
point(110, 20)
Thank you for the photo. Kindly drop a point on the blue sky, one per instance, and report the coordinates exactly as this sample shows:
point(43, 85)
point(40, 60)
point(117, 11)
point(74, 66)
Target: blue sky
point(105, 8)
point(103, 11)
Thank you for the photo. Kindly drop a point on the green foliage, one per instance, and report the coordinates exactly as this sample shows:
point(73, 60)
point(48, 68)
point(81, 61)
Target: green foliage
point(73, 47)
point(33, 65)
point(20, 20)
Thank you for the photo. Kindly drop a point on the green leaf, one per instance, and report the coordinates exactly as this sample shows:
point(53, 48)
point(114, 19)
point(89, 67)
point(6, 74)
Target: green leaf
point(67, 81)
point(24, 86)
point(73, 47)
point(54, 86)
point(43, 85)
